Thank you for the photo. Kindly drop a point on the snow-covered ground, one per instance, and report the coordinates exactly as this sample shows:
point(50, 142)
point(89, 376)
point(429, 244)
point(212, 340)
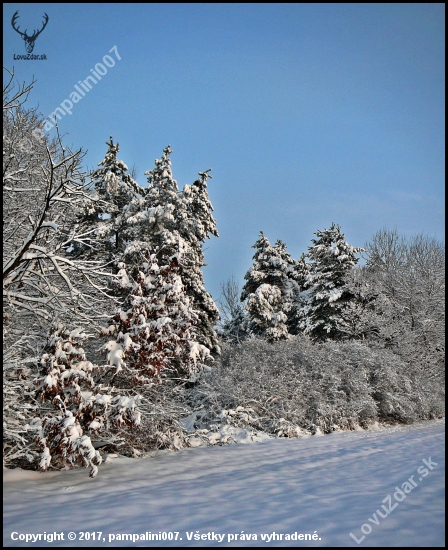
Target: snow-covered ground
point(335, 487)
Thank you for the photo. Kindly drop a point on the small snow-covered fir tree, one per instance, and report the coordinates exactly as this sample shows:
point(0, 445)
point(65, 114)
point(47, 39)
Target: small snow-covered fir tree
point(327, 312)
point(68, 381)
point(155, 331)
point(201, 223)
point(270, 289)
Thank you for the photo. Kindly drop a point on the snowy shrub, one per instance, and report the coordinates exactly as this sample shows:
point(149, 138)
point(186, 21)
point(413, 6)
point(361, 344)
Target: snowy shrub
point(67, 381)
point(297, 387)
point(19, 411)
point(163, 406)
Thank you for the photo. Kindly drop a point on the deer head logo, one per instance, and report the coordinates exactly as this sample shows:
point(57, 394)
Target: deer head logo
point(29, 40)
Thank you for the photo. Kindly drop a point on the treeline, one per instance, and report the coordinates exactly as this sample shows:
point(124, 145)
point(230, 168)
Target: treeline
point(395, 300)
point(111, 339)
point(323, 344)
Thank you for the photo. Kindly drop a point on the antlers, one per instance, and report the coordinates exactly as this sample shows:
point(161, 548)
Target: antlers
point(29, 40)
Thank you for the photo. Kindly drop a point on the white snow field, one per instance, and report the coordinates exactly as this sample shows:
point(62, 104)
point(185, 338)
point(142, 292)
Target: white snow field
point(335, 488)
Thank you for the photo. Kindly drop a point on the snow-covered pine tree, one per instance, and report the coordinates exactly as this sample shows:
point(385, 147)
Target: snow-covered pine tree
point(200, 225)
point(163, 210)
point(68, 381)
point(302, 270)
point(155, 331)
point(290, 283)
point(270, 289)
point(177, 224)
point(114, 190)
point(327, 312)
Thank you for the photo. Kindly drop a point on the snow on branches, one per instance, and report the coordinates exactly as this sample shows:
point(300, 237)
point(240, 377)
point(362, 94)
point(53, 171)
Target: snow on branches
point(155, 331)
point(43, 188)
point(68, 381)
point(328, 311)
point(270, 289)
point(104, 217)
point(264, 306)
point(176, 223)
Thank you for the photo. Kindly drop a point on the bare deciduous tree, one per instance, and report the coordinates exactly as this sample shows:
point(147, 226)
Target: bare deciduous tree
point(43, 186)
point(409, 277)
point(232, 324)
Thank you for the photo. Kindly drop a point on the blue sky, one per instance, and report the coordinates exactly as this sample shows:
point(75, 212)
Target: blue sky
point(306, 113)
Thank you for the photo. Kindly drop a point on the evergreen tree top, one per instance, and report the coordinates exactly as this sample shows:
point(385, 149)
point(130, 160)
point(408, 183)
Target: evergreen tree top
point(263, 247)
point(199, 206)
point(272, 265)
point(111, 179)
point(204, 176)
point(280, 248)
point(110, 162)
point(161, 176)
point(331, 243)
point(268, 257)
